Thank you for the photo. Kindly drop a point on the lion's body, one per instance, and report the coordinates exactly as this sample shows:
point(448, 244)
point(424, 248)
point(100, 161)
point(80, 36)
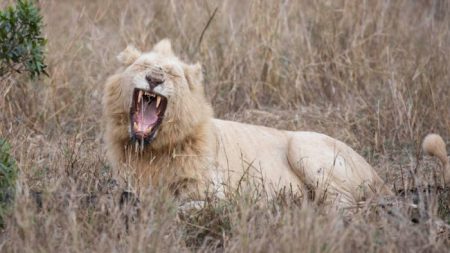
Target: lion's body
point(294, 160)
point(195, 153)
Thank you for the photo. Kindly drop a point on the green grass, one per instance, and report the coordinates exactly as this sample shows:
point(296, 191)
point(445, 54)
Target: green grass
point(8, 177)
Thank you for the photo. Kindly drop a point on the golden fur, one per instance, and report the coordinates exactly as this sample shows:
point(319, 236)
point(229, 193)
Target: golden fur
point(195, 153)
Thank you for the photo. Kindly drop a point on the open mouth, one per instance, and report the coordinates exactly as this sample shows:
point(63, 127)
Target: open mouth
point(146, 114)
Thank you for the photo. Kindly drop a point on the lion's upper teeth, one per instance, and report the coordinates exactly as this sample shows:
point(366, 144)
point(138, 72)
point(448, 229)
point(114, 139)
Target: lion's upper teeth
point(149, 94)
point(139, 96)
point(158, 101)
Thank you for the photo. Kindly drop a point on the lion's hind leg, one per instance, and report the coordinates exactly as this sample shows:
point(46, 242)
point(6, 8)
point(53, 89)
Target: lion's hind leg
point(338, 176)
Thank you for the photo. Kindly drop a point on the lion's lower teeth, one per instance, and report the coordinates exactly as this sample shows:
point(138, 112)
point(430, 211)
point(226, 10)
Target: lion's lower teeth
point(148, 130)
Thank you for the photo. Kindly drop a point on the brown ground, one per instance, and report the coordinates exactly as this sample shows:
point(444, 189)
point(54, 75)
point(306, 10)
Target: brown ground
point(374, 74)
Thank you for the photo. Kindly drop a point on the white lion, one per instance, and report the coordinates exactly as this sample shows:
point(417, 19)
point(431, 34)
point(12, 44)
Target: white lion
point(159, 124)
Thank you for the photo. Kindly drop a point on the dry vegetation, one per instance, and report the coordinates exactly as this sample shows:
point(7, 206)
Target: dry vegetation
point(374, 74)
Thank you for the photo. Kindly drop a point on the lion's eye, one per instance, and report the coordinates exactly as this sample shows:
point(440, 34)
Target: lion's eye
point(173, 75)
point(171, 71)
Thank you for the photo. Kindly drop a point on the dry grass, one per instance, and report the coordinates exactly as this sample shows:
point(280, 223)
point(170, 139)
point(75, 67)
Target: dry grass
point(374, 74)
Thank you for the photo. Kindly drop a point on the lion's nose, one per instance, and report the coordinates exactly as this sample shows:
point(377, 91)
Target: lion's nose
point(154, 80)
point(155, 77)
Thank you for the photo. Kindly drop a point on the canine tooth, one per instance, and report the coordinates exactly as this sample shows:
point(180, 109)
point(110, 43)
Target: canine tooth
point(149, 130)
point(135, 125)
point(158, 101)
point(139, 96)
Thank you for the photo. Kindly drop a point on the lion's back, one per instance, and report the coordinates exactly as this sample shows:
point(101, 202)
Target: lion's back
point(255, 150)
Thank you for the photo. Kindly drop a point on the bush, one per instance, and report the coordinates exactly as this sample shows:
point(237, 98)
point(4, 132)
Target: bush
point(8, 176)
point(21, 42)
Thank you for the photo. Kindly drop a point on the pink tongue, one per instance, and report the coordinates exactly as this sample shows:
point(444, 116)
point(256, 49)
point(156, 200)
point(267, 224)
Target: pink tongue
point(147, 116)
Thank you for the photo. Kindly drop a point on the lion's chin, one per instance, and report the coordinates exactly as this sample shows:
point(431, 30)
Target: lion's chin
point(146, 115)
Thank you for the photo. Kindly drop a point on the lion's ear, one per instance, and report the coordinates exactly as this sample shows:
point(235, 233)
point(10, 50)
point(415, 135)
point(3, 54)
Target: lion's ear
point(129, 55)
point(194, 75)
point(164, 47)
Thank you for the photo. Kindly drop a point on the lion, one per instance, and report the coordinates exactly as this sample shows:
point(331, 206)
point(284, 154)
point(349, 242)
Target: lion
point(159, 125)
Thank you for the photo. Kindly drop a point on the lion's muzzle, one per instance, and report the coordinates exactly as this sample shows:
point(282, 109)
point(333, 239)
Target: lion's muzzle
point(146, 113)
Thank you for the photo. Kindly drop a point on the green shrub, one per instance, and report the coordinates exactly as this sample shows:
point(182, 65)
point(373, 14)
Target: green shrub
point(21, 42)
point(8, 176)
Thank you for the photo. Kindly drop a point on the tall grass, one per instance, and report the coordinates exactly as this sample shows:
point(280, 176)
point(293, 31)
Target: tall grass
point(374, 74)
